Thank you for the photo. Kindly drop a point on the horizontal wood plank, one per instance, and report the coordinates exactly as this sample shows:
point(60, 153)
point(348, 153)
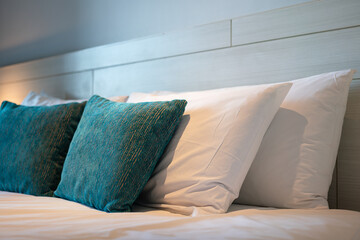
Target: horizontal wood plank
point(266, 62)
point(316, 16)
point(206, 37)
point(69, 86)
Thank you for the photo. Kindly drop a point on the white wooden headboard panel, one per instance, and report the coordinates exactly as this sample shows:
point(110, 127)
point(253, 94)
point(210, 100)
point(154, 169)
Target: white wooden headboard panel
point(70, 86)
point(264, 62)
point(202, 38)
point(273, 46)
point(307, 18)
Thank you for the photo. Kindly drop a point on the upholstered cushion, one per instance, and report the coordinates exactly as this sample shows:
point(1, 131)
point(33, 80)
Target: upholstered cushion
point(115, 150)
point(33, 145)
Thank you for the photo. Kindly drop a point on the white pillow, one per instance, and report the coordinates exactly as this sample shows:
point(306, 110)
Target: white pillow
point(206, 161)
point(42, 99)
point(294, 165)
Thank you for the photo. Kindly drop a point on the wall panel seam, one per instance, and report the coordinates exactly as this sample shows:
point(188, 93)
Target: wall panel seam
point(92, 82)
point(295, 36)
point(231, 32)
point(44, 77)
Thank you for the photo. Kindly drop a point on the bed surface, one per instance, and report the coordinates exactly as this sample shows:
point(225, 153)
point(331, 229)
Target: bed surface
point(24, 216)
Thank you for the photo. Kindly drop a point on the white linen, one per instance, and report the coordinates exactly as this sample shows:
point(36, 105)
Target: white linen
point(42, 99)
point(208, 157)
point(294, 165)
point(29, 217)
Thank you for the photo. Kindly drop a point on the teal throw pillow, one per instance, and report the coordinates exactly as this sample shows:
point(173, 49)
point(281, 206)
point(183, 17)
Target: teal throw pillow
point(33, 145)
point(114, 151)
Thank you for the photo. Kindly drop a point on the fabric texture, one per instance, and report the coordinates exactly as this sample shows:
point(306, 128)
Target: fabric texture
point(294, 165)
point(207, 160)
point(114, 151)
point(28, 217)
point(33, 145)
point(42, 99)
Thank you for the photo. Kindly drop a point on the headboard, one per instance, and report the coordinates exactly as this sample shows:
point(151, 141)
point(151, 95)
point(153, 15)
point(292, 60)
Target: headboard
point(274, 46)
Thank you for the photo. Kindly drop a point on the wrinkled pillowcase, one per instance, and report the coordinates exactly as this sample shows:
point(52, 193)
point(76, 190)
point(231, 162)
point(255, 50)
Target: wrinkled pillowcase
point(206, 162)
point(42, 99)
point(294, 165)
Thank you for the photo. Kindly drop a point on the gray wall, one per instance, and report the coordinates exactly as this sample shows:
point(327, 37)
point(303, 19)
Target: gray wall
point(31, 29)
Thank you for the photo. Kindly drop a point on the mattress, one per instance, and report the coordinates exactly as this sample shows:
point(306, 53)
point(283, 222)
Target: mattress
point(29, 217)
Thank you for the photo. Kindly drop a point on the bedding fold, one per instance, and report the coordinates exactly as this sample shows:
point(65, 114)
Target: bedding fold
point(28, 217)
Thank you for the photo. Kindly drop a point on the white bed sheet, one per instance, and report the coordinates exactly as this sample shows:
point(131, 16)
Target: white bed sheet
point(28, 217)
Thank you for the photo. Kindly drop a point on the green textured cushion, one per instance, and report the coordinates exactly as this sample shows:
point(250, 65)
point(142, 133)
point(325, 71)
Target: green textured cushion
point(115, 150)
point(33, 145)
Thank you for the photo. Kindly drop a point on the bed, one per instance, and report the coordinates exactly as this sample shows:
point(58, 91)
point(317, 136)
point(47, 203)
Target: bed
point(44, 218)
point(266, 48)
